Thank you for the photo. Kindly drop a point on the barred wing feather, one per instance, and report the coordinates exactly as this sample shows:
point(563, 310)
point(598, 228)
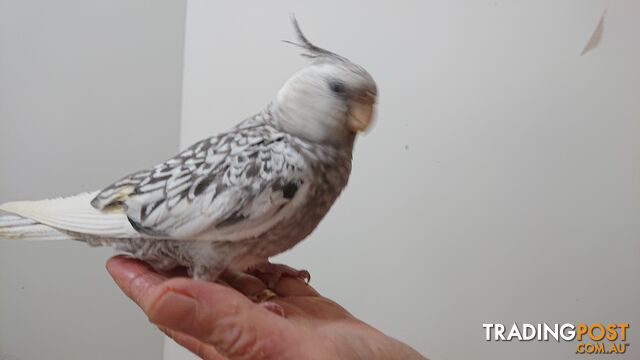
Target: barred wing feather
point(232, 186)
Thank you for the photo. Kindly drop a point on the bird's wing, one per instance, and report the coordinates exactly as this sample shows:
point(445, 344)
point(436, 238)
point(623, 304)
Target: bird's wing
point(232, 186)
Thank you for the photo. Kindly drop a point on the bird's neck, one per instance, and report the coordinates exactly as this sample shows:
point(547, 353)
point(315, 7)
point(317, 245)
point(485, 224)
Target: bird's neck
point(313, 121)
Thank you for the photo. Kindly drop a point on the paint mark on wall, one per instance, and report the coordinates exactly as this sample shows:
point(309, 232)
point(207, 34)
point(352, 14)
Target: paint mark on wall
point(596, 36)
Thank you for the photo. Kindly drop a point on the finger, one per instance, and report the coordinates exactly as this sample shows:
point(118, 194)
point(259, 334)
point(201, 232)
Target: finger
point(286, 285)
point(292, 286)
point(134, 277)
point(247, 284)
point(202, 350)
point(219, 316)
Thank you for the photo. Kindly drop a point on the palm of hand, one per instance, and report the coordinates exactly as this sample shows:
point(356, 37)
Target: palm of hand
point(216, 321)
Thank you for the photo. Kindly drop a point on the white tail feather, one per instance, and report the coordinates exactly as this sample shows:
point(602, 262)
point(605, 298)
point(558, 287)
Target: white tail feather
point(73, 214)
point(18, 228)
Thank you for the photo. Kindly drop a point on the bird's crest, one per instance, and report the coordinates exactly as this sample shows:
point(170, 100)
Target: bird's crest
point(311, 51)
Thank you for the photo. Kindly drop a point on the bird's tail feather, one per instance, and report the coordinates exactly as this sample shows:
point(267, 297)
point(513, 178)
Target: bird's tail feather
point(71, 217)
point(13, 227)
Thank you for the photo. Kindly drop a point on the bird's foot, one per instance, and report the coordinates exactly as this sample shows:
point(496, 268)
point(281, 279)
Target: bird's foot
point(271, 273)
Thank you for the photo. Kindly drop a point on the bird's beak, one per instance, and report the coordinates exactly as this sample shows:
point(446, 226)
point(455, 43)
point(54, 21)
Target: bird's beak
point(361, 113)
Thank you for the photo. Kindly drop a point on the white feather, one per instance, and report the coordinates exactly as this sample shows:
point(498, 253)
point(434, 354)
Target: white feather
point(73, 214)
point(18, 228)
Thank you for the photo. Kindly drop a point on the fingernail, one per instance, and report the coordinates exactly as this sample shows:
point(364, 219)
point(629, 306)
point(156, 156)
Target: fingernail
point(172, 309)
point(274, 308)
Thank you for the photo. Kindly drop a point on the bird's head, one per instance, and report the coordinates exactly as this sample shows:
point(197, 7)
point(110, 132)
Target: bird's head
point(329, 101)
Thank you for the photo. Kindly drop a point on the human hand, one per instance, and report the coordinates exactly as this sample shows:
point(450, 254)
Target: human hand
point(215, 321)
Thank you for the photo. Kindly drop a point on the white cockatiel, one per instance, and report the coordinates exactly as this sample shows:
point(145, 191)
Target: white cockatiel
point(232, 200)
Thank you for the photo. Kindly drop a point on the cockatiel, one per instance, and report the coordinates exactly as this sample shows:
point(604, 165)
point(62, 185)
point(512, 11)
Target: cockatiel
point(235, 199)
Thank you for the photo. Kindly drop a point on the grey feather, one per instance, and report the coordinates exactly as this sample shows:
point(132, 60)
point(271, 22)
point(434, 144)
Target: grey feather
point(312, 51)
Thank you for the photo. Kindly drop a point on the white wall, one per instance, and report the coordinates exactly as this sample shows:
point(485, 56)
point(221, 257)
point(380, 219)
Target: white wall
point(89, 91)
point(501, 181)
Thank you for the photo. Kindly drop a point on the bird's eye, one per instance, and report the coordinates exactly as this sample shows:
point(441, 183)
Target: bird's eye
point(337, 87)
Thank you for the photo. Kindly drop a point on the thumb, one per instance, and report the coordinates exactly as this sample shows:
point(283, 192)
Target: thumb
point(209, 312)
point(219, 316)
